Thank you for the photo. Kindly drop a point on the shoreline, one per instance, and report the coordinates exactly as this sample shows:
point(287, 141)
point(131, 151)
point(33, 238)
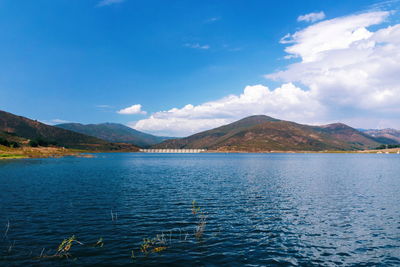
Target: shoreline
point(52, 152)
point(40, 152)
point(369, 151)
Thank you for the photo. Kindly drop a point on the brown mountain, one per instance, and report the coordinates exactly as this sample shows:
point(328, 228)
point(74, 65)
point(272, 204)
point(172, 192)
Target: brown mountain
point(263, 133)
point(34, 130)
point(386, 136)
point(349, 135)
point(115, 132)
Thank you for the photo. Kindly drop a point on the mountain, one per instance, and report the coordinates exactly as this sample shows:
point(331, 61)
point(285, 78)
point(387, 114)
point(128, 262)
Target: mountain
point(385, 136)
point(263, 133)
point(349, 135)
point(209, 139)
point(34, 130)
point(114, 132)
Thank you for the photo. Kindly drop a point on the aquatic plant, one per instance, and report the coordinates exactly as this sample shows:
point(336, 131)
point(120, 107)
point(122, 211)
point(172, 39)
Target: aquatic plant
point(158, 243)
point(63, 250)
point(148, 246)
point(99, 243)
point(11, 243)
point(195, 208)
point(158, 249)
point(11, 247)
point(145, 246)
point(65, 246)
point(154, 245)
point(7, 228)
point(41, 253)
point(201, 226)
point(202, 220)
point(114, 216)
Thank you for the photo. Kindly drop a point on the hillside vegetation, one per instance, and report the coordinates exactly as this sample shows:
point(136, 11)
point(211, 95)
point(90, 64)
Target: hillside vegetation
point(114, 132)
point(25, 132)
point(386, 136)
point(263, 133)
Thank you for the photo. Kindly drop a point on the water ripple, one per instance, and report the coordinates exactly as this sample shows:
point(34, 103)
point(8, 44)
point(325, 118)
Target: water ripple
point(275, 210)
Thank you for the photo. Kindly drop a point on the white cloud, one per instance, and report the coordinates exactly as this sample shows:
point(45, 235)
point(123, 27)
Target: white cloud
point(334, 34)
point(345, 72)
point(109, 2)
point(54, 121)
point(312, 17)
point(345, 64)
point(286, 102)
point(176, 127)
point(197, 46)
point(134, 109)
point(384, 5)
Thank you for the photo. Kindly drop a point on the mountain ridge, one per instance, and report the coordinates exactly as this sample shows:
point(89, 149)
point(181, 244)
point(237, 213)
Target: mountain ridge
point(263, 133)
point(33, 129)
point(114, 132)
point(258, 133)
point(386, 136)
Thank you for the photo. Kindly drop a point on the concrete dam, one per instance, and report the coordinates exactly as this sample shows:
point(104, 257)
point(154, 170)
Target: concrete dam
point(173, 150)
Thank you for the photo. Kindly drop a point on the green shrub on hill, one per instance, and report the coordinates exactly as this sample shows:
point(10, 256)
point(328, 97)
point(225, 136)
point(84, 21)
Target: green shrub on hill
point(388, 146)
point(41, 142)
point(5, 142)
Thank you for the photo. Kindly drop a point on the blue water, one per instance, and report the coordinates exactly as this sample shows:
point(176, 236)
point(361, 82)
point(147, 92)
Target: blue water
point(260, 209)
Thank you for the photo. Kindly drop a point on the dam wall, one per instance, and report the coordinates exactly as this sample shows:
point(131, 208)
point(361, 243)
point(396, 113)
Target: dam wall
point(173, 150)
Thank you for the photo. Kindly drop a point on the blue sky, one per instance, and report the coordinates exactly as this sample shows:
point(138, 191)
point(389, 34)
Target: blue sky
point(88, 60)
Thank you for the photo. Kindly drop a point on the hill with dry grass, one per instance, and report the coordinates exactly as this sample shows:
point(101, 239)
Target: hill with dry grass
point(24, 131)
point(263, 133)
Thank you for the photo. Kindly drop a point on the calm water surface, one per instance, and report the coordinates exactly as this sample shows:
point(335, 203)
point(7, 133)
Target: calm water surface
point(262, 209)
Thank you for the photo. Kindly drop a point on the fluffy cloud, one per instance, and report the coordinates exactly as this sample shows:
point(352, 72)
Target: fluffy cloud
point(347, 66)
point(134, 109)
point(312, 17)
point(286, 102)
point(344, 72)
point(339, 33)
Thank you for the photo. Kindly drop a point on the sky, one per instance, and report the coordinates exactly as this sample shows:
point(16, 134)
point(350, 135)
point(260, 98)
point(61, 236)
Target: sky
point(174, 68)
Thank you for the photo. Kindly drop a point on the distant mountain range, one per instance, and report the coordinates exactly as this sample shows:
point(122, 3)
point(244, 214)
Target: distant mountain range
point(13, 125)
point(115, 132)
point(251, 134)
point(263, 133)
point(385, 136)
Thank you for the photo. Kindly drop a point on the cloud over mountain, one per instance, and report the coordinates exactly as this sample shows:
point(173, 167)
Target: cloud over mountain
point(344, 70)
point(287, 101)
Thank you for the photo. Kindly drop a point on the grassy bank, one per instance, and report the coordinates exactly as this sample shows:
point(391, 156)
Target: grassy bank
point(37, 152)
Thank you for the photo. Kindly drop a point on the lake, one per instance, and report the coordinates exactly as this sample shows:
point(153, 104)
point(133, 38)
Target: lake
point(249, 209)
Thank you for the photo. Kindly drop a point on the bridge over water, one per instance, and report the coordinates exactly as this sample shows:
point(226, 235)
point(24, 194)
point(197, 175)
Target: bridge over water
point(173, 150)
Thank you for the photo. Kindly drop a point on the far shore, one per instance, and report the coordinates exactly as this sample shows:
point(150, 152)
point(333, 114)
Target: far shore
point(56, 152)
point(369, 151)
